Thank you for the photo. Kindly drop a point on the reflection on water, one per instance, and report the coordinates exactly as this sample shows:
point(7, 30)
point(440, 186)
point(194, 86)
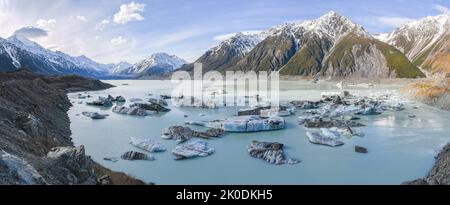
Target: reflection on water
point(400, 148)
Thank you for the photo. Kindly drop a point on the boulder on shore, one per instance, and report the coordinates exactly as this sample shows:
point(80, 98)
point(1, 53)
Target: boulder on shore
point(80, 167)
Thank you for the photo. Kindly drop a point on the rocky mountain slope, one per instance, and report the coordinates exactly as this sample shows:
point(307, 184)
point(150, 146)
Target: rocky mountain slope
point(330, 46)
point(425, 42)
point(35, 143)
point(440, 173)
point(228, 53)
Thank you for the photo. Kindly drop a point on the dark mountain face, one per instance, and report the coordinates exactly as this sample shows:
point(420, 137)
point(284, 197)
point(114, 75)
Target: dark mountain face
point(269, 55)
point(308, 60)
point(330, 46)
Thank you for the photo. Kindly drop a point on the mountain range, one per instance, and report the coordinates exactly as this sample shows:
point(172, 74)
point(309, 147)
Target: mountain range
point(18, 51)
point(425, 42)
point(330, 46)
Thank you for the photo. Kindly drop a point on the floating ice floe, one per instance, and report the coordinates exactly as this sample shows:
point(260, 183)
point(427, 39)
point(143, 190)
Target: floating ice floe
point(147, 145)
point(191, 150)
point(319, 138)
point(132, 155)
point(184, 101)
point(95, 115)
point(244, 124)
point(133, 110)
point(182, 134)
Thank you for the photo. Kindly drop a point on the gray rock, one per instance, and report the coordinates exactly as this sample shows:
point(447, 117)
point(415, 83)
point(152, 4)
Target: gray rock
point(30, 124)
point(79, 167)
point(21, 170)
point(361, 149)
point(104, 180)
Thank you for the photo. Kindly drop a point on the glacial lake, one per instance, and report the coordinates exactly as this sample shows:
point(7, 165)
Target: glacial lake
point(400, 148)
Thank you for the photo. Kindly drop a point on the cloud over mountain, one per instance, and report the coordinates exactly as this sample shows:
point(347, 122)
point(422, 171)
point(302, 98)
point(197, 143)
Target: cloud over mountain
point(31, 32)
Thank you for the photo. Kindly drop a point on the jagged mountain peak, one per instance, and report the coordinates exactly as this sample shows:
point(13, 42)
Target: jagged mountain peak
point(425, 42)
point(241, 42)
point(157, 63)
point(331, 24)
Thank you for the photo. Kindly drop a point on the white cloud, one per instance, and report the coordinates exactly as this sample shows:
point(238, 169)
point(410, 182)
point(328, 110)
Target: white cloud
point(81, 18)
point(118, 41)
point(31, 32)
point(394, 21)
point(129, 12)
point(100, 26)
point(229, 35)
point(55, 47)
point(50, 23)
point(442, 9)
point(176, 37)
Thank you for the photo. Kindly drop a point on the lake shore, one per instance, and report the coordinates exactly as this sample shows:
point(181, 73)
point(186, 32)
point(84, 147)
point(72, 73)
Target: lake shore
point(36, 145)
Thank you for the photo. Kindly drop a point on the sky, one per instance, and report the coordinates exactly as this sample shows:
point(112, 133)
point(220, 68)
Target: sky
point(110, 31)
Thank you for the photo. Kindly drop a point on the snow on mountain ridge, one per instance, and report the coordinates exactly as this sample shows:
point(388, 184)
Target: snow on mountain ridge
point(422, 34)
point(57, 57)
point(241, 42)
point(331, 24)
point(162, 62)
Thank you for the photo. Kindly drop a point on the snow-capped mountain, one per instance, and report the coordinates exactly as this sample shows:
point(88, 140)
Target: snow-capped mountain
point(331, 25)
point(18, 51)
point(228, 52)
point(331, 45)
point(120, 67)
point(241, 43)
point(158, 63)
point(425, 42)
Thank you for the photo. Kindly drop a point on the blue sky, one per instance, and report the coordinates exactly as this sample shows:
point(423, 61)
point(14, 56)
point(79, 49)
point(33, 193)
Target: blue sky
point(116, 30)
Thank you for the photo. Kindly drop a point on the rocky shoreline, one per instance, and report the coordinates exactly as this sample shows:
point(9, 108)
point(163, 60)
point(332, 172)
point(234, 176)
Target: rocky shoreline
point(440, 173)
point(35, 142)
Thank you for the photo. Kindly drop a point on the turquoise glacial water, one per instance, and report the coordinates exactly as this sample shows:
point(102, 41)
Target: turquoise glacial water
point(400, 148)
